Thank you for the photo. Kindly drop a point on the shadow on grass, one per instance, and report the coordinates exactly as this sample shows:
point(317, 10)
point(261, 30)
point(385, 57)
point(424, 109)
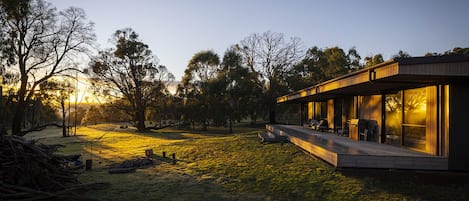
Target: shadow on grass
point(175, 133)
point(162, 182)
point(418, 185)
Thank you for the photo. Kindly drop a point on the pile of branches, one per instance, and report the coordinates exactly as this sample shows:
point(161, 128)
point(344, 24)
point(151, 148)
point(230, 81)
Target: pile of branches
point(30, 171)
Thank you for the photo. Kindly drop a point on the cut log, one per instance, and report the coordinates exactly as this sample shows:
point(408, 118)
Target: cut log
point(121, 170)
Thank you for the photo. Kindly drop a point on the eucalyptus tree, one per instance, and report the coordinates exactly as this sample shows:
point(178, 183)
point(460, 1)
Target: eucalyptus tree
point(131, 71)
point(320, 65)
point(373, 60)
point(202, 68)
point(455, 51)
point(240, 88)
point(401, 54)
point(37, 42)
point(56, 92)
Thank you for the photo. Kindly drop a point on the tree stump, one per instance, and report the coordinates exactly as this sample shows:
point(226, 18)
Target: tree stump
point(149, 153)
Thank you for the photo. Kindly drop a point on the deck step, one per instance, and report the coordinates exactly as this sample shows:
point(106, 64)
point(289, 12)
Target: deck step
point(270, 137)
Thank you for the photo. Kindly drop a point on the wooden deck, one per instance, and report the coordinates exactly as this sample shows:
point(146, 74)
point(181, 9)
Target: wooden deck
point(343, 152)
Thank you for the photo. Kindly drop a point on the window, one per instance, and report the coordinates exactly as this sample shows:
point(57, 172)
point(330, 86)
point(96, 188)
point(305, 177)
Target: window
point(405, 118)
point(415, 118)
point(393, 118)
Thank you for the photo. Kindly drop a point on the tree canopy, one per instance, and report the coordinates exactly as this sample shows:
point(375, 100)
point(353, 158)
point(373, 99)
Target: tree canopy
point(201, 69)
point(319, 65)
point(38, 43)
point(130, 70)
point(269, 55)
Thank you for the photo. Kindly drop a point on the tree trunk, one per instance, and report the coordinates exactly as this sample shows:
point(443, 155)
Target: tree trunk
point(18, 118)
point(272, 115)
point(2, 122)
point(64, 130)
point(141, 119)
point(231, 126)
point(204, 125)
point(253, 118)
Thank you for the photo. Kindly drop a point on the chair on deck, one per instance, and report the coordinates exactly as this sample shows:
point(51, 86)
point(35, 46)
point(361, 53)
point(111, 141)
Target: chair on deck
point(323, 125)
point(370, 132)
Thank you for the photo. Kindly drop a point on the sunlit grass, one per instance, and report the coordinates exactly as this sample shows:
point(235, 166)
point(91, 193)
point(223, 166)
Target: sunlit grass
point(215, 165)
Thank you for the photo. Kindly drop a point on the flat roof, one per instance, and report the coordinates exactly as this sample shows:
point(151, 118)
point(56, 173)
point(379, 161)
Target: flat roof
point(391, 75)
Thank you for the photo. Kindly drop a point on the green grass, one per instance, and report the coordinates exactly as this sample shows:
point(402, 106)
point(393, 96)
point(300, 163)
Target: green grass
point(214, 165)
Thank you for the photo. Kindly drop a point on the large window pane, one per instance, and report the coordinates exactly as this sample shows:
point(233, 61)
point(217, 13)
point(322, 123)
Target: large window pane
point(393, 118)
point(414, 136)
point(415, 116)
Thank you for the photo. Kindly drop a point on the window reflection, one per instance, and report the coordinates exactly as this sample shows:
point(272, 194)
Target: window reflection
point(405, 118)
point(393, 118)
point(415, 116)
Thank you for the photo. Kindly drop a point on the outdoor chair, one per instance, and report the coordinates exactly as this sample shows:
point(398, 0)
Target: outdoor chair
point(313, 124)
point(364, 135)
point(323, 125)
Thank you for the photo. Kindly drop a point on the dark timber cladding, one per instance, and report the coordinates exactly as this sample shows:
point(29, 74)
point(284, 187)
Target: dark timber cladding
point(417, 103)
point(399, 73)
point(459, 127)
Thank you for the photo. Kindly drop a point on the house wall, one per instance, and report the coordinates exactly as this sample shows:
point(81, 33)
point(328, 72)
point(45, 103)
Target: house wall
point(431, 131)
point(330, 113)
point(458, 158)
point(310, 110)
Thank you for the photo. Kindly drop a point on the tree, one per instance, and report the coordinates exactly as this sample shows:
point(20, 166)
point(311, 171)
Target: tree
point(129, 70)
point(56, 92)
point(92, 116)
point(3, 130)
point(203, 67)
point(77, 115)
point(320, 65)
point(454, 51)
point(401, 54)
point(39, 43)
point(373, 60)
point(165, 107)
point(461, 51)
point(270, 56)
point(239, 86)
point(116, 111)
point(458, 51)
point(353, 59)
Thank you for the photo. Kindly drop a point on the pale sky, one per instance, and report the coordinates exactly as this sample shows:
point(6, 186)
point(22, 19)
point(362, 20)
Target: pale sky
point(176, 29)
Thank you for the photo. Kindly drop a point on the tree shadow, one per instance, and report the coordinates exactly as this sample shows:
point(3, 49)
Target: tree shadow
point(162, 182)
point(174, 133)
point(418, 185)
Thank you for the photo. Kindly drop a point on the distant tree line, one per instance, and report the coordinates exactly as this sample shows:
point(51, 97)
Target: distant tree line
point(39, 47)
point(244, 84)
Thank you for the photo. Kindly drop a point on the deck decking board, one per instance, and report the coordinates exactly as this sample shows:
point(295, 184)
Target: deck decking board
point(343, 152)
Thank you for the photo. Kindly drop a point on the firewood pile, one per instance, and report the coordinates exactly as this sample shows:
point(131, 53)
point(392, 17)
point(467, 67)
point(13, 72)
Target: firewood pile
point(30, 171)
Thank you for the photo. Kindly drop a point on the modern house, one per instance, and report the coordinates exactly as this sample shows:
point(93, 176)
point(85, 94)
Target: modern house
point(408, 113)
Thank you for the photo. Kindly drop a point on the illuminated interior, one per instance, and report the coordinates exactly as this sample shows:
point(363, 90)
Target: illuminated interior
point(393, 118)
point(405, 118)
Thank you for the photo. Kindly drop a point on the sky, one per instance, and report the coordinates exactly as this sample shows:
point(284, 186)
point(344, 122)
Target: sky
point(177, 29)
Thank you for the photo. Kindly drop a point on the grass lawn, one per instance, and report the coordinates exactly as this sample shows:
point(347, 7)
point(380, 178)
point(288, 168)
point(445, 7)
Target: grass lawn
point(214, 165)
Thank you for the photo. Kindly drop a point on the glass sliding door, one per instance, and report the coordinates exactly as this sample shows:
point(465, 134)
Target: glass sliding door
point(415, 118)
point(393, 118)
point(405, 118)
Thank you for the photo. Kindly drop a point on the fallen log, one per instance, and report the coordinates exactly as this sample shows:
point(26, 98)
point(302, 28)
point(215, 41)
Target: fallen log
point(120, 170)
